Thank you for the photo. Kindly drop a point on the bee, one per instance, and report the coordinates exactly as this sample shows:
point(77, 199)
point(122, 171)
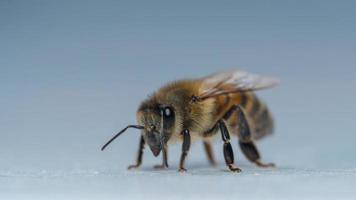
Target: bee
point(188, 110)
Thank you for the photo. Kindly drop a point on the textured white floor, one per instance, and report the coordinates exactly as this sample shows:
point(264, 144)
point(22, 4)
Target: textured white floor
point(282, 183)
point(305, 174)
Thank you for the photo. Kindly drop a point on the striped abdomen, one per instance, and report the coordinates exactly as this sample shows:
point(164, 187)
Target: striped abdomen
point(259, 117)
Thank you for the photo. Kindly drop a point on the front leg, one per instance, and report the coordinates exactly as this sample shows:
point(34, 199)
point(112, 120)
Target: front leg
point(164, 160)
point(185, 149)
point(228, 152)
point(139, 154)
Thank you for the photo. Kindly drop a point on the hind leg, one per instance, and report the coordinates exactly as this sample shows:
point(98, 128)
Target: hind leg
point(247, 146)
point(249, 149)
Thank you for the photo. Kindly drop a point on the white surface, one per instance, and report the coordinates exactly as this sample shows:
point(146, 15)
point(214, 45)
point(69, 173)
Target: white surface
point(285, 183)
point(299, 175)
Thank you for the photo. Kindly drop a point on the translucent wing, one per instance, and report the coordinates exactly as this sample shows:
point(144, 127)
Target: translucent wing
point(232, 82)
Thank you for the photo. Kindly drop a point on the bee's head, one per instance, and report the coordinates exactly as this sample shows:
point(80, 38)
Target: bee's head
point(158, 121)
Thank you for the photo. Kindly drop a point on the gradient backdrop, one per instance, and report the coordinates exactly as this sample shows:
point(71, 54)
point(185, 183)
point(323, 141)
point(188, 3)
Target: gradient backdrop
point(72, 73)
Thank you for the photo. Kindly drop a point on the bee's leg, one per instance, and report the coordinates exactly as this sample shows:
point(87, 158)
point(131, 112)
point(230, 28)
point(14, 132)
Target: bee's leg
point(209, 152)
point(185, 149)
point(165, 156)
point(249, 149)
point(247, 146)
point(228, 152)
point(139, 154)
point(164, 161)
point(207, 144)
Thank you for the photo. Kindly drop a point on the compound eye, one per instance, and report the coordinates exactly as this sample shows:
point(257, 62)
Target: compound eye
point(167, 111)
point(153, 127)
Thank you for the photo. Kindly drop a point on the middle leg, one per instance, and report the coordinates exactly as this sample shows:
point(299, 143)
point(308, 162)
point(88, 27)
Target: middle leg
point(185, 149)
point(207, 144)
point(228, 152)
point(209, 152)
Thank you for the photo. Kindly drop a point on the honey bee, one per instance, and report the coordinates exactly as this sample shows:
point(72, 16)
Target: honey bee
point(188, 110)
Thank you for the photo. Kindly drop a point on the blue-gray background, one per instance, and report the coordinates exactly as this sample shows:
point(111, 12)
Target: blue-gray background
point(72, 73)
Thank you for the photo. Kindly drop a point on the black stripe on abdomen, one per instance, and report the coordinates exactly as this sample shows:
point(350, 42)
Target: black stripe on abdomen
point(256, 107)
